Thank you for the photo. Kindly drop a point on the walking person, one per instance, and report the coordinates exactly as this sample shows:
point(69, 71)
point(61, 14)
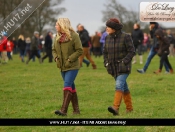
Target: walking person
point(137, 37)
point(153, 51)
point(10, 46)
point(84, 37)
point(67, 48)
point(34, 47)
point(163, 50)
point(48, 47)
point(3, 48)
point(118, 53)
point(21, 46)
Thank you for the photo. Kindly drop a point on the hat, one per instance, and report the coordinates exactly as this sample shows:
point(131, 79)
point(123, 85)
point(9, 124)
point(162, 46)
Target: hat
point(114, 23)
point(153, 23)
point(36, 32)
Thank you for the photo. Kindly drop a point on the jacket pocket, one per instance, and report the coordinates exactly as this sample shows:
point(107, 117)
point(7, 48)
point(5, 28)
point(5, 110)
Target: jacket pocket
point(122, 68)
point(67, 64)
point(58, 63)
point(109, 68)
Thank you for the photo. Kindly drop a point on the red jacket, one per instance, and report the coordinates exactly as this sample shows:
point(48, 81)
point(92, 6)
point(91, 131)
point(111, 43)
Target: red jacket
point(10, 46)
point(3, 44)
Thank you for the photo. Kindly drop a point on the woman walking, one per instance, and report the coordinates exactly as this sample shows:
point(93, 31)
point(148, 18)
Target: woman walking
point(21, 46)
point(163, 50)
point(118, 53)
point(67, 48)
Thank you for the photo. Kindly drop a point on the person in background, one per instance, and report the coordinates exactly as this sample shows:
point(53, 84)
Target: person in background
point(67, 48)
point(34, 47)
point(84, 37)
point(118, 53)
point(153, 51)
point(137, 36)
point(48, 46)
point(21, 46)
point(27, 50)
point(10, 46)
point(84, 60)
point(96, 44)
point(102, 40)
point(172, 42)
point(3, 48)
point(15, 49)
point(146, 42)
point(163, 50)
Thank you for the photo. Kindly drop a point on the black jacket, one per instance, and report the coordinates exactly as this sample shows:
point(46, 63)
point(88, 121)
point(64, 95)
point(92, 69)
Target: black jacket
point(137, 36)
point(21, 44)
point(163, 43)
point(48, 42)
point(84, 37)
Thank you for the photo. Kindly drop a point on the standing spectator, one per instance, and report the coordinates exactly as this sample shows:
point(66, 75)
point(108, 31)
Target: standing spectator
point(21, 46)
point(48, 47)
point(84, 37)
point(15, 49)
point(118, 53)
point(163, 50)
point(10, 46)
point(34, 47)
point(96, 45)
point(171, 40)
point(153, 51)
point(27, 50)
point(3, 46)
point(66, 50)
point(137, 36)
point(146, 42)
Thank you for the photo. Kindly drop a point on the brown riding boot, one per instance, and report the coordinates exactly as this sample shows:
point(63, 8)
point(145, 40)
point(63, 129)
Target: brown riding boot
point(94, 66)
point(128, 102)
point(66, 101)
point(117, 101)
point(74, 101)
point(171, 71)
point(158, 71)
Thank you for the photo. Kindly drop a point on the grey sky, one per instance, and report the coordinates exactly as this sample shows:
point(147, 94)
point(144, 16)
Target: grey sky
point(89, 12)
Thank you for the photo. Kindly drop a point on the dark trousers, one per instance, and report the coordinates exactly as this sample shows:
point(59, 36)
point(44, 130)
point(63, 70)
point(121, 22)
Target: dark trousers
point(164, 58)
point(34, 53)
point(48, 54)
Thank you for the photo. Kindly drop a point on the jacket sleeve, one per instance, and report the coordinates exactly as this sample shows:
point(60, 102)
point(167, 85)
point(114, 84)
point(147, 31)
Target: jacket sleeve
point(78, 48)
point(130, 49)
point(166, 44)
point(54, 52)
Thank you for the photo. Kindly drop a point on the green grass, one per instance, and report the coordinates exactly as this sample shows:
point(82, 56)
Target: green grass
point(35, 91)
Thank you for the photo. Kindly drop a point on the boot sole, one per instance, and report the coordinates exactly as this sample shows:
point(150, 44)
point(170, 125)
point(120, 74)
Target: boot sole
point(111, 110)
point(57, 112)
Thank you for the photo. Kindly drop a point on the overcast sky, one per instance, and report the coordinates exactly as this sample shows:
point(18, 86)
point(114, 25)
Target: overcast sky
point(89, 12)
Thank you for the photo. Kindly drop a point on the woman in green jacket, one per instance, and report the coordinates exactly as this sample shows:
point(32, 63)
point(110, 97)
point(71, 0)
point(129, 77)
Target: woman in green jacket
point(67, 48)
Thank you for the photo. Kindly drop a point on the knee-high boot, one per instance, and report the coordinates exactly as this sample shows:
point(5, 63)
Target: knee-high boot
point(66, 100)
point(74, 101)
point(128, 101)
point(117, 101)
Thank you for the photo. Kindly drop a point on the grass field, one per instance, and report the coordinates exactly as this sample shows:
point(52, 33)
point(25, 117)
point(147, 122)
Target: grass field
point(35, 91)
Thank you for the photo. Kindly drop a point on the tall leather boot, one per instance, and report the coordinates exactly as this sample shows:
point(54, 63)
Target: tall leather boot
point(117, 101)
point(66, 100)
point(128, 101)
point(74, 101)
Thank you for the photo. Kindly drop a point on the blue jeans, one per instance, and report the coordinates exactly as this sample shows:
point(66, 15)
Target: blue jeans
point(69, 78)
point(121, 83)
point(86, 61)
point(152, 53)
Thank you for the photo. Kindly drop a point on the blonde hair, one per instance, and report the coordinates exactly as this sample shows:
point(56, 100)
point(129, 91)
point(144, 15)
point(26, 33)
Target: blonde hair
point(28, 40)
point(21, 37)
point(65, 26)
